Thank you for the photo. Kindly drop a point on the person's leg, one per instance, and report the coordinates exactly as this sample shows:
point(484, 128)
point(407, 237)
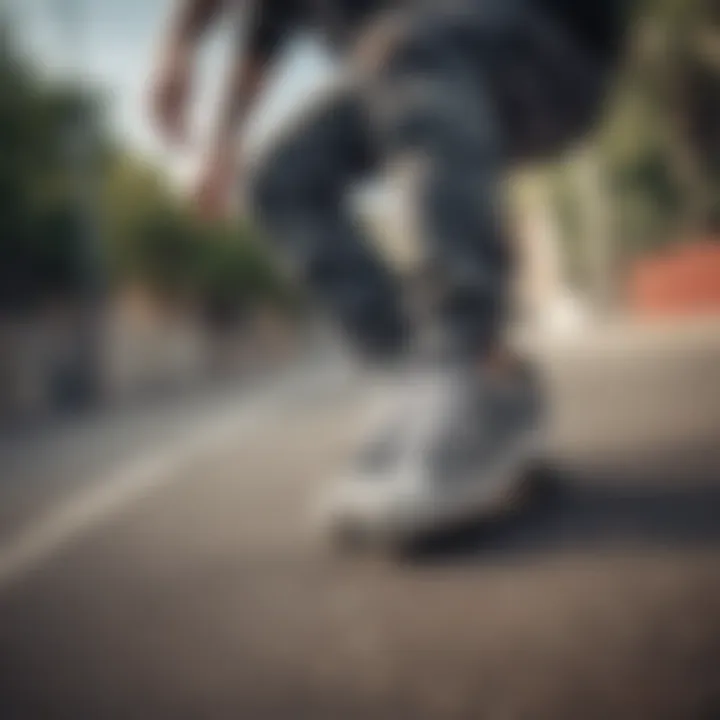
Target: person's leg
point(299, 195)
point(469, 89)
point(473, 423)
point(432, 101)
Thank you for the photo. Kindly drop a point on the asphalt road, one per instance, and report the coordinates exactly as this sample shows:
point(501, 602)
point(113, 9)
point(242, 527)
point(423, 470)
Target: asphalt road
point(163, 567)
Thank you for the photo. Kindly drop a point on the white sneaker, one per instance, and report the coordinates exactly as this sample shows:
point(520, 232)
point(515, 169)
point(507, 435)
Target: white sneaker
point(457, 448)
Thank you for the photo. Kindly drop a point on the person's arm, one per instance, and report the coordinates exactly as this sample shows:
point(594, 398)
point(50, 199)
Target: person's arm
point(172, 86)
point(266, 26)
point(218, 171)
point(245, 82)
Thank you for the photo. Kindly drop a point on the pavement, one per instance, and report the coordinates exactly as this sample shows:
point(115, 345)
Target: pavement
point(161, 564)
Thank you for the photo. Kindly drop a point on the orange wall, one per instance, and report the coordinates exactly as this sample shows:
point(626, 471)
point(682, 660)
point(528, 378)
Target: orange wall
point(682, 281)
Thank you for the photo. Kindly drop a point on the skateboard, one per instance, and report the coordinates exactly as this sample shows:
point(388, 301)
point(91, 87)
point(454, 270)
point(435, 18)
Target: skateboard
point(410, 530)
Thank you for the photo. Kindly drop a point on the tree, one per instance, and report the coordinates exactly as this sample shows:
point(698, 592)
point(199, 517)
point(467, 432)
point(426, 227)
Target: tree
point(147, 234)
point(657, 152)
point(40, 250)
point(663, 141)
point(156, 240)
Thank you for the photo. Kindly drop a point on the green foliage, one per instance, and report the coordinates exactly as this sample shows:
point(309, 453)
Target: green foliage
point(41, 249)
point(662, 146)
point(234, 270)
point(156, 240)
point(658, 148)
point(144, 232)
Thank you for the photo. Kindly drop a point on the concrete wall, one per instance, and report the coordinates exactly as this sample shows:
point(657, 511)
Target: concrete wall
point(146, 349)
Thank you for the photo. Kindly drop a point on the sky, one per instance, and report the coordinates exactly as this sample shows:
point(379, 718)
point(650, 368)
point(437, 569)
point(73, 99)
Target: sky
point(113, 45)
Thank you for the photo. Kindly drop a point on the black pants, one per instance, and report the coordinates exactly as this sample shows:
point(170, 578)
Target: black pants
point(467, 89)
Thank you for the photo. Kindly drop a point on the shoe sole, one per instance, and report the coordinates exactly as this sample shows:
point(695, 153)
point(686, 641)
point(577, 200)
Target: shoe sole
point(392, 528)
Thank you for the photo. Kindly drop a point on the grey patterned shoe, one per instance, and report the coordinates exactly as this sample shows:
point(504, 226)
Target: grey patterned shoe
point(457, 450)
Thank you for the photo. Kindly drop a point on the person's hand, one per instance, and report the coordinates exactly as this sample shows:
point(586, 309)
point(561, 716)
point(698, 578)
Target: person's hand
point(170, 93)
point(214, 189)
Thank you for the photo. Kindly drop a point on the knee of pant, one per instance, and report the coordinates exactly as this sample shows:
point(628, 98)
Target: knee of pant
point(440, 120)
point(268, 189)
point(285, 184)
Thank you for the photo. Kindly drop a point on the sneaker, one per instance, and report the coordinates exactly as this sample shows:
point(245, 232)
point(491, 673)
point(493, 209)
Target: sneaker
point(456, 449)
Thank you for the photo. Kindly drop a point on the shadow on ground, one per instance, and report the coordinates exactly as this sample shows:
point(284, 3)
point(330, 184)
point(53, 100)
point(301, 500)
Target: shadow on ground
point(571, 509)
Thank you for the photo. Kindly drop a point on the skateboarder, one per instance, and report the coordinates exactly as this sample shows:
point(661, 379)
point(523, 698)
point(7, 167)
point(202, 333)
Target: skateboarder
point(466, 89)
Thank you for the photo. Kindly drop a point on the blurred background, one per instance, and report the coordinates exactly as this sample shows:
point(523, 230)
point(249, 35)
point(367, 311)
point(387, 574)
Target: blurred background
point(112, 286)
point(169, 403)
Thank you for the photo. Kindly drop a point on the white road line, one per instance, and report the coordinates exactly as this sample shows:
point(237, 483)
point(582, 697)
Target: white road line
point(117, 490)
